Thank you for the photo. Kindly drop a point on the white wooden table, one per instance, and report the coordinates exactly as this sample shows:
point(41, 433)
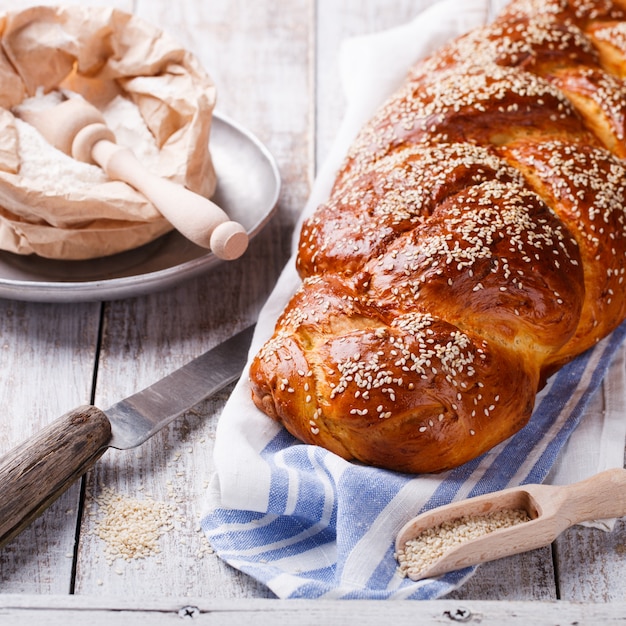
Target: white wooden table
point(275, 67)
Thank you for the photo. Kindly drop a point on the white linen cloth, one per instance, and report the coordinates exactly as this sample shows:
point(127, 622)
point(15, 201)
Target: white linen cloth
point(310, 525)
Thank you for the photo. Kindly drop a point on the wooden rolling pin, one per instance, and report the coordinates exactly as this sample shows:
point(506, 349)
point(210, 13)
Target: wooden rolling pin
point(78, 128)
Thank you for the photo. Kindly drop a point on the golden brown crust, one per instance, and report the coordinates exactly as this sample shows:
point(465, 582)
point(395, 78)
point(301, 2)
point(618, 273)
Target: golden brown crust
point(586, 187)
point(473, 242)
point(397, 391)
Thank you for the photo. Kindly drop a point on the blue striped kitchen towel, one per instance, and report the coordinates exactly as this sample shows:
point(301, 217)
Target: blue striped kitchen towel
point(305, 522)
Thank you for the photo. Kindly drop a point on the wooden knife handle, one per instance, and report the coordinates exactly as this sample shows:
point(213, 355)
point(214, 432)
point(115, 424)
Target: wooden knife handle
point(35, 473)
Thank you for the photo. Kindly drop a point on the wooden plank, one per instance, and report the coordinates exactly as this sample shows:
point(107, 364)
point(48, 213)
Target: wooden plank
point(172, 469)
point(260, 58)
point(75, 610)
point(528, 576)
point(49, 349)
point(147, 337)
point(46, 369)
point(590, 563)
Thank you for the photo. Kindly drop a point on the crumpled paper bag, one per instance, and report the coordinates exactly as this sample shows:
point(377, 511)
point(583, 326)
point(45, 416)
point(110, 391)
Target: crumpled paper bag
point(101, 54)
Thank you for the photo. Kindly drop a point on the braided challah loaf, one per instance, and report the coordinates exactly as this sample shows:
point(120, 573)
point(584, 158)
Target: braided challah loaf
point(474, 242)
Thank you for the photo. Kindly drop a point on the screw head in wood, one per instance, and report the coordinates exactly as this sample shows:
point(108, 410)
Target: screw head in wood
point(189, 612)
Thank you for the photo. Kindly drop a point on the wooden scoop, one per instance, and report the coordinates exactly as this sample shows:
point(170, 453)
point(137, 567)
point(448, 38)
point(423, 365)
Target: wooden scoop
point(77, 128)
point(551, 510)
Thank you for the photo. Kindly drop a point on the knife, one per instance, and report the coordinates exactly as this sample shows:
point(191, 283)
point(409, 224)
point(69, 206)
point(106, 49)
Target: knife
point(35, 473)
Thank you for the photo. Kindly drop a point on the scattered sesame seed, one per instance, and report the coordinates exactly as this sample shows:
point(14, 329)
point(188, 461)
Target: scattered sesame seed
point(130, 527)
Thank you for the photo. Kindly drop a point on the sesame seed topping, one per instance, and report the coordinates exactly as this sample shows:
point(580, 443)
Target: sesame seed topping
point(480, 211)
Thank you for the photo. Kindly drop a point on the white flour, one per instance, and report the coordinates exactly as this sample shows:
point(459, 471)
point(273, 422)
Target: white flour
point(124, 119)
point(52, 171)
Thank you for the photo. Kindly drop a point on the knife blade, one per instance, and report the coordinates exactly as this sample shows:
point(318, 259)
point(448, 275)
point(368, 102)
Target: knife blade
point(38, 471)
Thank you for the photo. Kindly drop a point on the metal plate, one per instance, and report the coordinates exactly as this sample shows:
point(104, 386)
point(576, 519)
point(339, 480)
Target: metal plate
point(247, 189)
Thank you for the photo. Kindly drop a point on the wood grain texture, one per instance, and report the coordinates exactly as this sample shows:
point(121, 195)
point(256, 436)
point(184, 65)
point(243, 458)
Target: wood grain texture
point(590, 564)
point(589, 561)
point(527, 576)
point(68, 611)
point(38, 471)
point(48, 353)
point(260, 57)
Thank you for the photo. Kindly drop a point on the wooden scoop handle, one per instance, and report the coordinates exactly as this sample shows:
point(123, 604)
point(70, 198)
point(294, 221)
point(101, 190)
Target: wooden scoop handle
point(602, 496)
point(193, 215)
